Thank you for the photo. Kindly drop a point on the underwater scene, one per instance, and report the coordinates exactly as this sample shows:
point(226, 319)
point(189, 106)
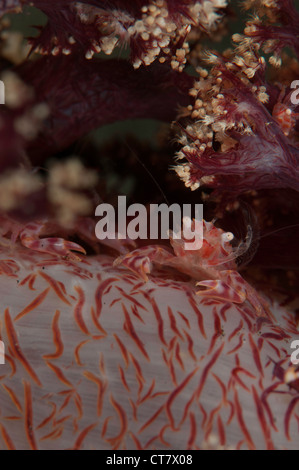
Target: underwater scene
point(149, 225)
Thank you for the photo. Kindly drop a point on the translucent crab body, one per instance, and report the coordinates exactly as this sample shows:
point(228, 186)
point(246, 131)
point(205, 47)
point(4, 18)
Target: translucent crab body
point(211, 263)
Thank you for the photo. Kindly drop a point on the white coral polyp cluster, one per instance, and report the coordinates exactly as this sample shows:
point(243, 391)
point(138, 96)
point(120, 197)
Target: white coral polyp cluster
point(66, 185)
point(156, 29)
point(159, 29)
point(206, 12)
point(218, 109)
point(15, 186)
point(19, 98)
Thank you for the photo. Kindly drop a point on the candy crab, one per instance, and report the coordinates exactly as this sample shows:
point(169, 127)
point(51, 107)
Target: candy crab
point(212, 262)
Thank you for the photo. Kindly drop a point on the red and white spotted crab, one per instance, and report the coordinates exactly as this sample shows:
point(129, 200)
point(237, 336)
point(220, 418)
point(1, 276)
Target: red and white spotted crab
point(212, 264)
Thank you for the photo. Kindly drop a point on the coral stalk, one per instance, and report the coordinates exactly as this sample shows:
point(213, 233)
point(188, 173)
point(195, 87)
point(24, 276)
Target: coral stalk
point(97, 359)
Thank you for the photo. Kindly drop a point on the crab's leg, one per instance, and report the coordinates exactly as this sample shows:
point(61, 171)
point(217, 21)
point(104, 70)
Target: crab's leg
point(140, 260)
point(55, 246)
point(218, 289)
point(233, 288)
point(252, 296)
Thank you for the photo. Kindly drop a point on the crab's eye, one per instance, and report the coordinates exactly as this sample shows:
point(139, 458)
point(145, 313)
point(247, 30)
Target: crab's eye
point(227, 237)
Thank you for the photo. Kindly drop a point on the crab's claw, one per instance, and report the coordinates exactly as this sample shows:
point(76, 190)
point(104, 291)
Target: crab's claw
point(54, 246)
point(217, 289)
point(141, 260)
point(233, 288)
point(136, 262)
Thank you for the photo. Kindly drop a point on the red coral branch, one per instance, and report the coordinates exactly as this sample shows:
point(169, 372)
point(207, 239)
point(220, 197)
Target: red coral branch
point(83, 95)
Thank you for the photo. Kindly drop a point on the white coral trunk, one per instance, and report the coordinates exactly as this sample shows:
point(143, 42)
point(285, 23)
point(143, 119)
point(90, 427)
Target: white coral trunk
point(96, 359)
